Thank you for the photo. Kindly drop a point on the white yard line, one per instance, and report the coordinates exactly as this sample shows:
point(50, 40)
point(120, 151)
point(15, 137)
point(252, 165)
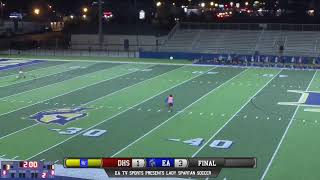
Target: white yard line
point(114, 116)
point(210, 139)
point(285, 133)
point(27, 72)
point(177, 114)
point(15, 157)
point(55, 83)
point(19, 131)
point(159, 63)
point(73, 90)
point(28, 80)
point(93, 101)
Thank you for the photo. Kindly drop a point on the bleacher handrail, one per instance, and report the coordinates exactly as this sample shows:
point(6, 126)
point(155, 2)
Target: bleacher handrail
point(251, 26)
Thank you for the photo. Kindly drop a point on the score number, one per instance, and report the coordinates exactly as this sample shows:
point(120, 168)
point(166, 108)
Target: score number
point(29, 164)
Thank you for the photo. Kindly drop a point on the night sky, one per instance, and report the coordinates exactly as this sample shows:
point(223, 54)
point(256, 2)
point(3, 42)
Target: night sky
point(67, 7)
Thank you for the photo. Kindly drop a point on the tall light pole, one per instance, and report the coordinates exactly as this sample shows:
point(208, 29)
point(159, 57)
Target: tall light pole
point(2, 11)
point(100, 25)
point(136, 23)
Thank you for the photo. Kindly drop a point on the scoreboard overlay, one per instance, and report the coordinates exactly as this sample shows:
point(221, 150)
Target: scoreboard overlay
point(27, 170)
point(161, 167)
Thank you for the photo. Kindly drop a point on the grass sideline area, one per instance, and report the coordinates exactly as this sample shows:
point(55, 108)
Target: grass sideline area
point(99, 59)
point(98, 109)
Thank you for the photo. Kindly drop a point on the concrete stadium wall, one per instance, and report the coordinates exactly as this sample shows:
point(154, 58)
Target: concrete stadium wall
point(115, 42)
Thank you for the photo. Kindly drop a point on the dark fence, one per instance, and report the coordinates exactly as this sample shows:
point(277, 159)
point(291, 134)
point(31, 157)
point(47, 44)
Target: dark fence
point(70, 52)
point(251, 26)
point(238, 59)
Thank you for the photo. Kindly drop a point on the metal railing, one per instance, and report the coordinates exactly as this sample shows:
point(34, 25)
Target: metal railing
point(251, 26)
point(70, 52)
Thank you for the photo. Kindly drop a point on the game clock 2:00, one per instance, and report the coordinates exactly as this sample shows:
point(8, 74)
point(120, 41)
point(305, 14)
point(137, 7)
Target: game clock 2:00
point(29, 164)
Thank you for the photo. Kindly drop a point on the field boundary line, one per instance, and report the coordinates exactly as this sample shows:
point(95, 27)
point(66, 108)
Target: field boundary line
point(52, 84)
point(97, 99)
point(19, 131)
point(15, 67)
point(108, 61)
point(105, 120)
point(285, 133)
point(230, 119)
point(162, 63)
point(26, 73)
point(182, 110)
point(73, 90)
point(13, 74)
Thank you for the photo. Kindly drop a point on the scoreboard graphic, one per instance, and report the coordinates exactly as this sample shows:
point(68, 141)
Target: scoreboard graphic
point(27, 170)
point(161, 167)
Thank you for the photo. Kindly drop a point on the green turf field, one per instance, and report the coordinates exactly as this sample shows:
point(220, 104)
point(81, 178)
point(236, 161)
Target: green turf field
point(102, 109)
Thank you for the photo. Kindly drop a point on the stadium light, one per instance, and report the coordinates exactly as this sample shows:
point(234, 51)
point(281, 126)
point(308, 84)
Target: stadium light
point(159, 4)
point(142, 14)
point(85, 9)
point(310, 12)
point(36, 11)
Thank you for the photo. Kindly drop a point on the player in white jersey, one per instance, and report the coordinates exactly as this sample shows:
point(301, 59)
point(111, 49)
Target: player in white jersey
point(21, 74)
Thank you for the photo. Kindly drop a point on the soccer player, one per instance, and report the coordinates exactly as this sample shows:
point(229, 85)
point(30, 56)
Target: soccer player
point(21, 74)
point(170, 102)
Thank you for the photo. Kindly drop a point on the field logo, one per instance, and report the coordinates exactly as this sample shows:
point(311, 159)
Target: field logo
point(60, 116)
point(308, 99)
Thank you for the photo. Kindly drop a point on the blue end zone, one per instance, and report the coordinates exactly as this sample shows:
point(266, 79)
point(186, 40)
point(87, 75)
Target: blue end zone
point(313, 99)
point(18, 64)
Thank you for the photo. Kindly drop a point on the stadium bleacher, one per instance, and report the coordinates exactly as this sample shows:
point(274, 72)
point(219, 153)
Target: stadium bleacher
point(295, 43)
